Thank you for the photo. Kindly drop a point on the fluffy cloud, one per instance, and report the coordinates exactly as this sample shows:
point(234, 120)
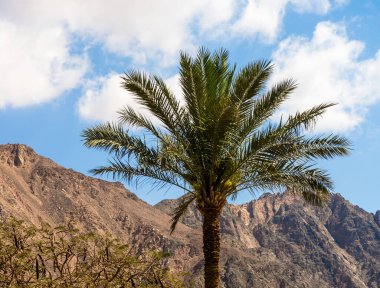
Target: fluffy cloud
point(142, 30)
point(36, 63)
point(37, 36)
point(263, 18)
point(103, 97)
point(329, 69)
point(35, 41)
point(158, 29)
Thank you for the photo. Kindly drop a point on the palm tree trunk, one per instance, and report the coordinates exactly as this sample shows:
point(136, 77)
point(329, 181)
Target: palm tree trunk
point(211, 246)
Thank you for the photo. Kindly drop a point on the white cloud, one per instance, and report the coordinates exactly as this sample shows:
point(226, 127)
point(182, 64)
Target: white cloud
point(215, 16)
point(263, 18)
point(329, 69)
point(38, 35)
point(104, 97)
point(143, 30)
point(36, 64)
point(157, 30)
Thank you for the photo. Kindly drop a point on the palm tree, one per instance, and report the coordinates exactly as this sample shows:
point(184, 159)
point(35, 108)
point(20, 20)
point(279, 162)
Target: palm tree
point(220, 140)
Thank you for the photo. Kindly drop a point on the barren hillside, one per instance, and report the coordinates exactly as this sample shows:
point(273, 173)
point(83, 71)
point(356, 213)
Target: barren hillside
point(274, 241)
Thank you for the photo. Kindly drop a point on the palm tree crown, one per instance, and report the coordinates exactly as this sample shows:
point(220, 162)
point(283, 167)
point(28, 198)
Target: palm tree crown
point(220, 140)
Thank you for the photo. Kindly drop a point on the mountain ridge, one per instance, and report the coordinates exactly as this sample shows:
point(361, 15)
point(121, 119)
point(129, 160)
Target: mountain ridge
point(273, 241)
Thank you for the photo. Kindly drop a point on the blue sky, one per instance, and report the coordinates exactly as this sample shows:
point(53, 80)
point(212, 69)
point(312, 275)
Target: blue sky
point(61, 63)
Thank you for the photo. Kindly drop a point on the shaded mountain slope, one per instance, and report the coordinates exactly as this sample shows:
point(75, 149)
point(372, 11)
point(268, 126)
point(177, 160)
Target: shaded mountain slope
point(274, 241)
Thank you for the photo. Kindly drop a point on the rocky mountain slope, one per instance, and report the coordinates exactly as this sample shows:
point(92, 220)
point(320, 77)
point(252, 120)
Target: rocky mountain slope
point(274, 241)
point(34, 188)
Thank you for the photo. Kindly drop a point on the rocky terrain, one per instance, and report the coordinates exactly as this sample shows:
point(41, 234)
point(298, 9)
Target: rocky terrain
point(273, 241)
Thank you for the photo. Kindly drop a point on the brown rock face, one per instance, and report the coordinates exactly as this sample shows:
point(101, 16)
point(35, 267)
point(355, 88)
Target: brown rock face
point(377, 217)
point(281, 242)
point(274, 241)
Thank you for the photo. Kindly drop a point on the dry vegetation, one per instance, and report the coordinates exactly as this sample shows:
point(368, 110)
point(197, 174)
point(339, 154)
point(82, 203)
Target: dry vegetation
point(65, 257)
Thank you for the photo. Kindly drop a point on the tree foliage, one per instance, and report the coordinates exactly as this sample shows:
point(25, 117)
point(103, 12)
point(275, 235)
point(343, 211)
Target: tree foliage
point(65, 257)
point(220, 140)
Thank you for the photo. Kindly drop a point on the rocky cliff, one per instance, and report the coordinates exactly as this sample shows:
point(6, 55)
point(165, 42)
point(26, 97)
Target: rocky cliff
point(273, 241)
point(334, 246)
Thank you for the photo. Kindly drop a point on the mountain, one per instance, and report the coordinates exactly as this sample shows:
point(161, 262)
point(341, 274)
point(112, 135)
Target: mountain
point(34, 189)
point(274, 241)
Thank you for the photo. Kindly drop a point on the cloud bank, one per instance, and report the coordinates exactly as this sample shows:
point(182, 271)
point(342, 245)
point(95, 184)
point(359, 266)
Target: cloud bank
point(37, 36)
point(328, 68)
point(36, 64)
point(37, 41)
point(263, 18)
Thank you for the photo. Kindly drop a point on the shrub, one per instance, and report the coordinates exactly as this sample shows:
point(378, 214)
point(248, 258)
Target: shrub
point(65, 257)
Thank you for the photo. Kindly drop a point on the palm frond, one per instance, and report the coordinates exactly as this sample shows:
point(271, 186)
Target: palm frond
point(134, 119)
point(307, 119)
point(180, 209)
point(120, 170)
point(113, 138)
point(319, 147)
point(152, 93)
point(249, 82)
point(301, 149)
point(265, 106)
point(312, 183)
point(194, 82)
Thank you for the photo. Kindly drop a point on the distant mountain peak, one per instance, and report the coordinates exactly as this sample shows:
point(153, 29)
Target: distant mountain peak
point(17, 155)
